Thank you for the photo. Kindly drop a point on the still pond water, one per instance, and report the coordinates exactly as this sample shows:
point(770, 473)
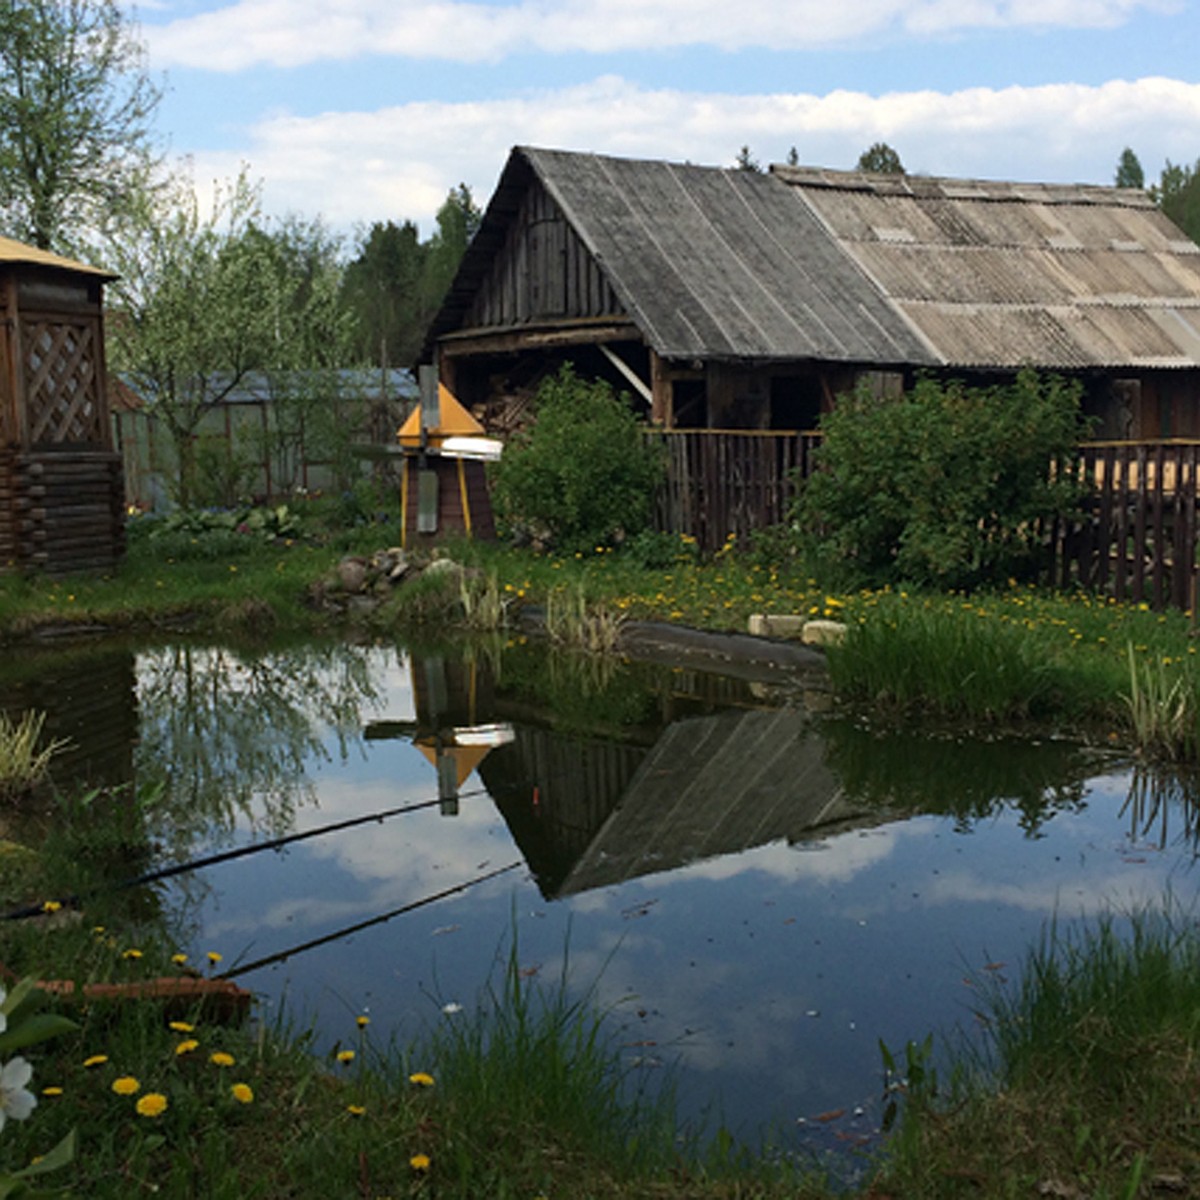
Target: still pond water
point(766, 893)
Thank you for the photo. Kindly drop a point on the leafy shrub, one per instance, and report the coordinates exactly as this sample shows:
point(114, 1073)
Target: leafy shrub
point(582, 475)
point(208, 534)
point(946, 486)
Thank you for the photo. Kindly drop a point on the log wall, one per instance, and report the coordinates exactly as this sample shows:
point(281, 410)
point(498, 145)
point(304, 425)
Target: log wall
point(61, 510)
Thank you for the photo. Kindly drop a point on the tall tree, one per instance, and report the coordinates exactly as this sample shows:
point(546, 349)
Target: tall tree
point(1129, 171)
point(397, 282)
point(1178, 195)
point(457, 222)
point(309, 412)
point(76, 104)
point(196, 307)
point(880, 159)
point(382, 287)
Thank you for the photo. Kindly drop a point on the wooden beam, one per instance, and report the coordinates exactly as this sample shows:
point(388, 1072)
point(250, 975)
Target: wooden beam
point(662, 393)
point(508, 341)
point(630, 374)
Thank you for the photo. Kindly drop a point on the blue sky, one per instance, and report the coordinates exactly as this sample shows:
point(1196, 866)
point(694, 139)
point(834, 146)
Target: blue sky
point(364, 110)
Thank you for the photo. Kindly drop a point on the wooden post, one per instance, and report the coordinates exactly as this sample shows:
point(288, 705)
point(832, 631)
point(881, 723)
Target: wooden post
point(662, 393)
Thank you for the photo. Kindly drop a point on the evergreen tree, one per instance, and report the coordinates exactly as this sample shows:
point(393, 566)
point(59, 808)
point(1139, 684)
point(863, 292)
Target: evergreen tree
point(382, 287)
point(457, 222)
point(1129, 171)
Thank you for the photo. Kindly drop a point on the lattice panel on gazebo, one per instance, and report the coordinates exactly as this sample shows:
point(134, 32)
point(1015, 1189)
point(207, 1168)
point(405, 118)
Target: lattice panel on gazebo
point(60, 382)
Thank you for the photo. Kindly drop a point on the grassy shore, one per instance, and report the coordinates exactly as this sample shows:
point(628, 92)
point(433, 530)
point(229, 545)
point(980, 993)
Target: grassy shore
point(523, 1098)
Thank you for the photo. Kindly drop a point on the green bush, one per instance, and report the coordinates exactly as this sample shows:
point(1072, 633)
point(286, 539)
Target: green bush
point(946, 486)
point(583, 475)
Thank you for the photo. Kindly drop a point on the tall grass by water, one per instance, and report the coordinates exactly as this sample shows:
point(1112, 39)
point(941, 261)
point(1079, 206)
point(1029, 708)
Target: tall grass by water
point(1163, 709)
point(1086, 1083)
point(952, 662)
point(25, 756)
point(523, 1094)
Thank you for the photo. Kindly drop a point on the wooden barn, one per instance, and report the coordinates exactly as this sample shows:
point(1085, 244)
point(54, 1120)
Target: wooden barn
point(61, 493)
point(736, 300)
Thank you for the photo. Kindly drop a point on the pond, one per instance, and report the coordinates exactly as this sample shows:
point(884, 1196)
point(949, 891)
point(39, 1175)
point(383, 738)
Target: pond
point(761, 891)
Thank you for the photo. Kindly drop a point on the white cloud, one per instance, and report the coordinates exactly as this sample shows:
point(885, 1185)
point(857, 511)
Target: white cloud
point(291, 33)
point(399, 162)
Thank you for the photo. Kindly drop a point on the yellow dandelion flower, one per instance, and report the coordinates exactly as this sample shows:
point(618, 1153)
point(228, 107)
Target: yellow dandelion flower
point(362, 1021)
point(421, 1079)
point(214, 957)
point(243, 1093)
point(152, 1104)
point(181, 1027)
point(356, 1110)
point(345, 1056)
point(127, 1085)
point(131, 953)
point(186, 1047)
point(52, 1091)
point(221, 1059)
point(179, 959)
point(51, 906)
point(419, 1162)
point(96, 1060)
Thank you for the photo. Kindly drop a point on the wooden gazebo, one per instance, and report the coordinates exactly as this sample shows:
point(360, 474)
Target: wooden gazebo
point(61, 490)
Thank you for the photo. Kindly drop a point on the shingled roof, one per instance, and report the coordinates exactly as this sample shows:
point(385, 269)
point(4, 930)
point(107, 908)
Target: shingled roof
point(723, 264)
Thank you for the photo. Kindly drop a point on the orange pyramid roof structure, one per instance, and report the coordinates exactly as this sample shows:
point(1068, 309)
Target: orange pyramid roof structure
point(466, 758)
point(453, 421)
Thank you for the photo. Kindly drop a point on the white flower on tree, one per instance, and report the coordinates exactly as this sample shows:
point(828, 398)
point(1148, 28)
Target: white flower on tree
point(16, 1100)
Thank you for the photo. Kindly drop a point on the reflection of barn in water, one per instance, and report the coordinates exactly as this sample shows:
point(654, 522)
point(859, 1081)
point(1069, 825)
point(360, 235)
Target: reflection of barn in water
point(718, 785)
point(590, 810)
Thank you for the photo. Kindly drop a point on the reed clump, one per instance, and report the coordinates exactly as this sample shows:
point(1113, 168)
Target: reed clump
point(1163, 711)
point(485, 607)
point(24, 758)
point(575, 621)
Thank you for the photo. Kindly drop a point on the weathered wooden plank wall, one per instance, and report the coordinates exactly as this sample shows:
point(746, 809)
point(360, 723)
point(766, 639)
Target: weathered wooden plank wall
point(543, 271)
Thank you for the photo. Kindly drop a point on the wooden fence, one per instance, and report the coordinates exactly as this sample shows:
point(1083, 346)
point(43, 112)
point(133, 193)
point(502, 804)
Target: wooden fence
point(1136, 539)
point(724, 483)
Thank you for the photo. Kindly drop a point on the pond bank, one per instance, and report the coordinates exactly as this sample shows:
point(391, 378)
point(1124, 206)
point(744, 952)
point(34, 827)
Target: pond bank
point(532, 1156)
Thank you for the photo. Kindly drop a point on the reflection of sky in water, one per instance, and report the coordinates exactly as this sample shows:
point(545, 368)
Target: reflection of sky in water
point(770, 976)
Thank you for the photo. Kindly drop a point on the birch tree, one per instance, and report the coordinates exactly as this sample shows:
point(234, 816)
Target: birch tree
point(76, 111)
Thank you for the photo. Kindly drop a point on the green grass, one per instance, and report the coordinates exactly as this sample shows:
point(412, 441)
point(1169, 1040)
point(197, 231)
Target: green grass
point(522, 1095)
point(1089, 1083)
point(952, 662)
